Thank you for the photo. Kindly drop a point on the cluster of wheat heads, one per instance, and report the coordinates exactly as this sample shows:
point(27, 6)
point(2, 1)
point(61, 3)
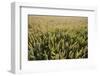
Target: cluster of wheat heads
point(51, 38)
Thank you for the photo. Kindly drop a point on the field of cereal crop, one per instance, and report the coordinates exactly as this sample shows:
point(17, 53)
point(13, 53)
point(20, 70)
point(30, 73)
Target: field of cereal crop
point(57, 37)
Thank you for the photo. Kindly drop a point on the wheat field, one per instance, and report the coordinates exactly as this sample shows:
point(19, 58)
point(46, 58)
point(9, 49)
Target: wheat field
point(57, 37)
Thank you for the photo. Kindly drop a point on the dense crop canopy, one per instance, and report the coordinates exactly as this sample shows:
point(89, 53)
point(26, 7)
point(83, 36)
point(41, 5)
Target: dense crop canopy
point(51, 40)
